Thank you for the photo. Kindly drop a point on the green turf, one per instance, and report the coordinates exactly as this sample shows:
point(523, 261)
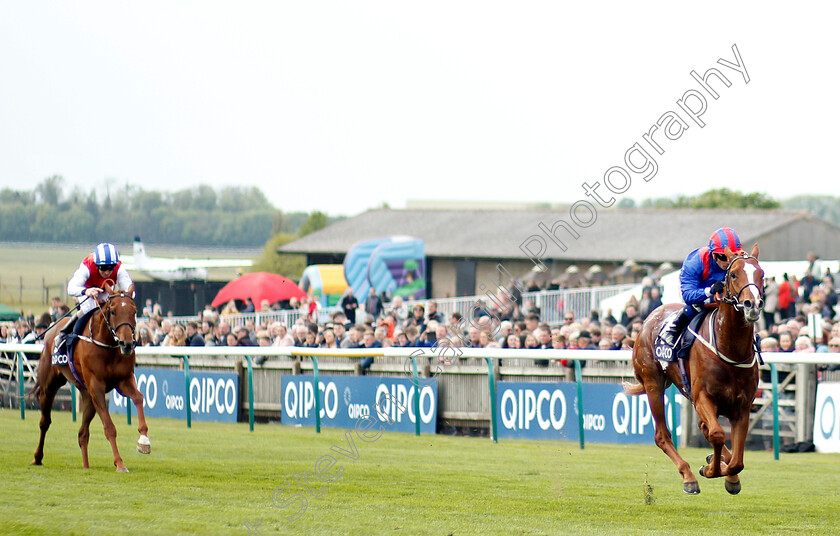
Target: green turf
point(213, 478)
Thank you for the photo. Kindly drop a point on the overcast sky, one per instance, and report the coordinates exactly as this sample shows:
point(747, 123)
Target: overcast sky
point(342, 106)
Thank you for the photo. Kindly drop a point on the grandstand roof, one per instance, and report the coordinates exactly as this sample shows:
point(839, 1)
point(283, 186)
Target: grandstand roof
point(645, 235)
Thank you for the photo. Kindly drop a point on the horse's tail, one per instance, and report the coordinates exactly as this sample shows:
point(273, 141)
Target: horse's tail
point(35, 392)
point(633, 388)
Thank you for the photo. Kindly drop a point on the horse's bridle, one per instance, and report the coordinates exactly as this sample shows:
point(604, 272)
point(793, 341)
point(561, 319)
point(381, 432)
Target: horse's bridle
point(113, 330)
point(732, 298)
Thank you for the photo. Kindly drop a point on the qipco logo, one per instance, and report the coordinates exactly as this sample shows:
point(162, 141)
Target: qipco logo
point(664, 352)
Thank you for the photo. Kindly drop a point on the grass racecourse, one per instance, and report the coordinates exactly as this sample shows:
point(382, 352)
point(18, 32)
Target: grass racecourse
point(214, 478)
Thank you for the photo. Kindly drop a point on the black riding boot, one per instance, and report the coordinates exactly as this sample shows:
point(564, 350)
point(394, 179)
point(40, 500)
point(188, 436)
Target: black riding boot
point(672, 330)
point(59, 344)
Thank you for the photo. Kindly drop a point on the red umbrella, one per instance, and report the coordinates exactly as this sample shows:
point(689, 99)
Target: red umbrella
point(259, 286)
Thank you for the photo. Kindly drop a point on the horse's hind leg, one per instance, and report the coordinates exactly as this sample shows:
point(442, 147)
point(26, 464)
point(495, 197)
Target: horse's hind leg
point(88, 411)
point(129, 388)
point(725, 455)
point(50, 382)
point(655, 391)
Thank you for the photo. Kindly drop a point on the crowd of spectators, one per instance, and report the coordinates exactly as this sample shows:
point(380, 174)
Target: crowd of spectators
point(380, 323)
point(504, 322)
point(28, 328)
point(801, 315)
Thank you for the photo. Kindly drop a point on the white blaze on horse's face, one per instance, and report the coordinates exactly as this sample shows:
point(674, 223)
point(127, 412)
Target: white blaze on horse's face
point(754, 306)
point(124, 311)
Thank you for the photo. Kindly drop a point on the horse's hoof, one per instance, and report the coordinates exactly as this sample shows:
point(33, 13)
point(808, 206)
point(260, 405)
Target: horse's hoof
point(692, 488)
point(35, 462)
point(709, 458)
point(123, 470)
point(144, 446)
point(734, 488)
point(702, 471)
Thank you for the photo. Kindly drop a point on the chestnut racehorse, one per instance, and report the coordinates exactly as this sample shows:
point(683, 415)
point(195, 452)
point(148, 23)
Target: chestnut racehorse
point(103, 360)
point(722, 372)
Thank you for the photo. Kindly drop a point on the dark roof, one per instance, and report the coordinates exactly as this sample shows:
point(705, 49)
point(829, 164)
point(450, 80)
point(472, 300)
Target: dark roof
point(645, 235)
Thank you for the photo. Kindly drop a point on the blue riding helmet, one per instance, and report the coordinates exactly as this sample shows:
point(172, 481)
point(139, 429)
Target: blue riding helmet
point(106, 254)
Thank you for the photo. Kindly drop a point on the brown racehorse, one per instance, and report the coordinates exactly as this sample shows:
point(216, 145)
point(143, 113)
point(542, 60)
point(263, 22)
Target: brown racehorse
point(723, 375)
point(103, 360)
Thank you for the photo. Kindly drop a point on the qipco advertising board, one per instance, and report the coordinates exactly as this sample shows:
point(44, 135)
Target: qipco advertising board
point(346, 399)
point(213, 396)
point(550, 411)
point(827, 417)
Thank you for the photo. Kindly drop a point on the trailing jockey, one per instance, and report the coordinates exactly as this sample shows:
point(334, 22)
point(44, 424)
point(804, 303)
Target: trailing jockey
point(86, 285)
point(701, 277)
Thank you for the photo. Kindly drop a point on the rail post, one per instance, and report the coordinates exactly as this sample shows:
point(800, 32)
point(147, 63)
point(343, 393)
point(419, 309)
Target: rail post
point(416, 383)
point(187, 387)
point(579, 381)
point(250, 392)
point(20, 383)
point(774, 379)
point(491, 379)
point(317, 394)
point(672, 400)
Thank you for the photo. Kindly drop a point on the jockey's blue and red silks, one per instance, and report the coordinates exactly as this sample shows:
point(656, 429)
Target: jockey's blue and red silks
point(699, 270)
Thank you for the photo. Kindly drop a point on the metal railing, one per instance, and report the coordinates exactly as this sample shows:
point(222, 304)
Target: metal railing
point(150, 356)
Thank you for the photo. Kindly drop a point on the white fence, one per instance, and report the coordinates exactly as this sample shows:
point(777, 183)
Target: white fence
point(463, 380)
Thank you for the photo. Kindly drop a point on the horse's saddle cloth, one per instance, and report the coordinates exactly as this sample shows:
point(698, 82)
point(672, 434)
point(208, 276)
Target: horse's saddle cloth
point(63, 358)
point(664, 352)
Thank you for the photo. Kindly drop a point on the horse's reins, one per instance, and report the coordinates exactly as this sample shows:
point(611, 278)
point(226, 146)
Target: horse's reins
point(57, 320)
point(113, 330)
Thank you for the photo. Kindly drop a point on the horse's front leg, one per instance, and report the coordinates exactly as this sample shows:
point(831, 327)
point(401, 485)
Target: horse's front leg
point(735, 465)
point(97, 395)
point(128, 387)
point(712, 430)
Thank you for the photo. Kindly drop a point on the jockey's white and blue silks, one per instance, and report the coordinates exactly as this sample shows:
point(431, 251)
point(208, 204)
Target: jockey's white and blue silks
point(105, 254)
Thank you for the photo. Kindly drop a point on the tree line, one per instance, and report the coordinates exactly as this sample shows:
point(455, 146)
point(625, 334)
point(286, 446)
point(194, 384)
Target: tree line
point(237, 216)
point(825, 206)
point(231, 216)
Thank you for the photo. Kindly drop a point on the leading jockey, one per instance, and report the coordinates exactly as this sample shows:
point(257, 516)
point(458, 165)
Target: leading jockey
point(86, 285)
point(701, 278)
